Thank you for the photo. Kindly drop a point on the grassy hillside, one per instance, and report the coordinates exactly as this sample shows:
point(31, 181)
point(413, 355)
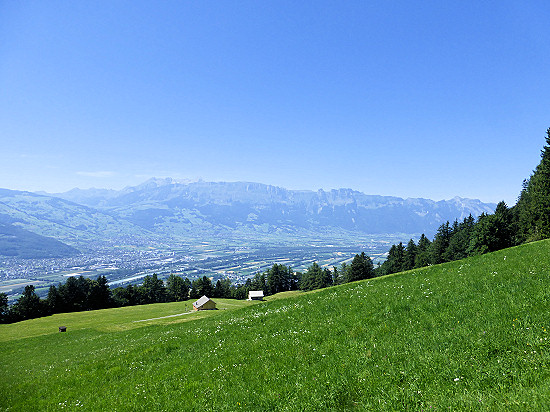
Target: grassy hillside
point(467, 335)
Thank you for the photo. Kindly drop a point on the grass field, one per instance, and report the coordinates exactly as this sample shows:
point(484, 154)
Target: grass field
point(467, 335)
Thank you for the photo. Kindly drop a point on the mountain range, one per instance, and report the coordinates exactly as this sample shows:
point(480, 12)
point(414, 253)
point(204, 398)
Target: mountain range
point(167, 210)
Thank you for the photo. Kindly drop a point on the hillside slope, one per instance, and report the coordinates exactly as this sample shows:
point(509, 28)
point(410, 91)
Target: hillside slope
point(18, 242)
point(466, 335)
point(66, 221)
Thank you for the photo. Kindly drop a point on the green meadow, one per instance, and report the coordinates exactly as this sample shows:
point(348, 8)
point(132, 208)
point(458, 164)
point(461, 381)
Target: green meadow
point(466, 335)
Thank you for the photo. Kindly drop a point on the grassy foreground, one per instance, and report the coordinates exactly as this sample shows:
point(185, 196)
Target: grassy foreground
point(467, 335)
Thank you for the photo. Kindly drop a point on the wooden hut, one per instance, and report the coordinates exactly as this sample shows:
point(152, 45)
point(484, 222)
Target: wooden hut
point(256, 295)
point(204, 303)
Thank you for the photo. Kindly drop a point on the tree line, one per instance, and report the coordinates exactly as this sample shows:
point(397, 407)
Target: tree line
point(527, 221)
point(80, 293)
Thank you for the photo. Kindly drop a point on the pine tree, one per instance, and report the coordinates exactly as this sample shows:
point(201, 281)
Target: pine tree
point(492, 232)
point(4, 308)
point(459, 241)
point(361, 268)
point(278, 279)
point(176, 288)
point(441, 243)
point(423, 257)
point(410, 255)
point(153, 289)
point(202, 287)
point(29, 305)
point(534, 201)
point(53, 300)
point(99, 295)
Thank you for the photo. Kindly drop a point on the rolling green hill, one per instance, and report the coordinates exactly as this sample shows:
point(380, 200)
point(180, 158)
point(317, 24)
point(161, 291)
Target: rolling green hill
point(466, 335)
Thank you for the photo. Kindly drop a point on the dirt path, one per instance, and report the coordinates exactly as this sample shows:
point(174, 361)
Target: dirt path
point(164, 317)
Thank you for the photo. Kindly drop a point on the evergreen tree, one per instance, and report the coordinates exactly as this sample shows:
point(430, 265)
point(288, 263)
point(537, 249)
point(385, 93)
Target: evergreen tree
point(240, 292)
point(201, 287)
point(316, 278)
point(29, 305)
point(440, 243)
point(54, 300)
point(4, 308)
point(395, 261)
point(534, 201)
point(99, 295)
point(128, 296)
point(73, 294)
point(343, 273)
point(176, 288)
point(503, 227)
point(410, 255)
point(492, 232)
point(460, 239)
point(259, 282)
point(326, 279)
point(222, 289)
point(423, 257)
point(278, 279)
point(337, 278)
point(361, 268)
point(153, 289)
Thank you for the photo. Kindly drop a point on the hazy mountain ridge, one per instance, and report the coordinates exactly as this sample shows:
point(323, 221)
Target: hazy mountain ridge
point(166, 210)
point(166, 206)
point(18, 242)
point(63, 220)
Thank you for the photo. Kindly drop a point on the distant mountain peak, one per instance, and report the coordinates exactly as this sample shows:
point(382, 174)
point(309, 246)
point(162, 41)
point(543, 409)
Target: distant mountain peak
point(170, 208)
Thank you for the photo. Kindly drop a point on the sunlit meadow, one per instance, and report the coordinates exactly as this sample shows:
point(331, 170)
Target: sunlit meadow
point(467, 335)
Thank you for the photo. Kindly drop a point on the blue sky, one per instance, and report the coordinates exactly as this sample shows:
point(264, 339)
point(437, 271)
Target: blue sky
point(412, 99)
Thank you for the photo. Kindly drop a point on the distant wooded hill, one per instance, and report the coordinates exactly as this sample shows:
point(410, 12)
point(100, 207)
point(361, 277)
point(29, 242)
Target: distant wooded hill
point(18, 242)
point(168, 210)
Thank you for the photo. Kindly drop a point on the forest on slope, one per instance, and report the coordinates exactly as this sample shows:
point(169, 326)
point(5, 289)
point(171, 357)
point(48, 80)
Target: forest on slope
point(527, 221)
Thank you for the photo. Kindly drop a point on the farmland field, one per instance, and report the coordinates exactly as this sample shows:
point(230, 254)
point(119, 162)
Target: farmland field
point(216, 259)
point(466, 335)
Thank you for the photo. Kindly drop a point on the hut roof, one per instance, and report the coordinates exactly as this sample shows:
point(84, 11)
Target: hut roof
point(201, 301)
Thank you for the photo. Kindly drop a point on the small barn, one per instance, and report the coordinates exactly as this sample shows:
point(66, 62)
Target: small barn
point(256, 295)
point(204, 303)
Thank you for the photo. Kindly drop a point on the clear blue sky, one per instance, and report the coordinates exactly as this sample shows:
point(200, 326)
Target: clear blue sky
point(408, 98)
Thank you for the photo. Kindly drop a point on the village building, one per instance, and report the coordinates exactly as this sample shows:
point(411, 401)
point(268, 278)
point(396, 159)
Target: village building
point(204, 303)
point(256, 295)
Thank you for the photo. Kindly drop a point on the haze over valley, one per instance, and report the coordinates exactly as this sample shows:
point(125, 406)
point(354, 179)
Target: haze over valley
point(219, 229)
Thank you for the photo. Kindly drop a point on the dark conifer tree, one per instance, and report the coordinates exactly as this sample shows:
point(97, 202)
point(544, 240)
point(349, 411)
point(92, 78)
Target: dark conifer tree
point(410, 255)
point(176, 288)
point(201, 287)
point(423, 257)
point(259, 282)
point(337, 278)
point(278, 279)
point(153, 289)
point(53, 300)
point(440, 243)
point(99, 295)
point(459, 241)
point(29, 305)
point(4, 308)
point(222, 289)
point(534, 201)
point(492, 232)
point(361, 268)
point(74, 293)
